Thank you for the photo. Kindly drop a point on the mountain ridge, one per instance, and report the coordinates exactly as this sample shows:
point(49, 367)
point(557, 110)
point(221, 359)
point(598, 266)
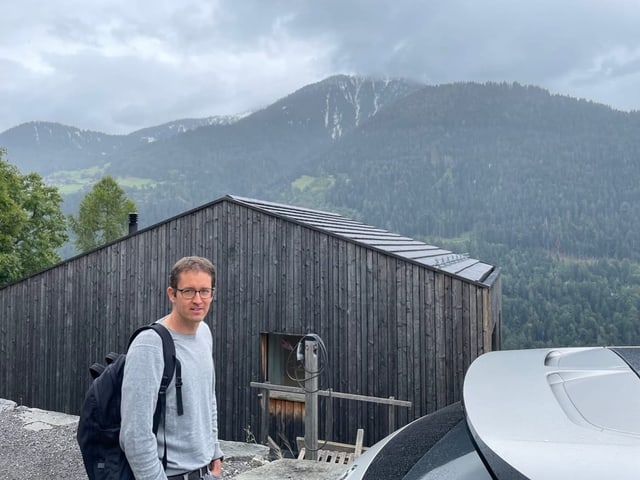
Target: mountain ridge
point(74, 147)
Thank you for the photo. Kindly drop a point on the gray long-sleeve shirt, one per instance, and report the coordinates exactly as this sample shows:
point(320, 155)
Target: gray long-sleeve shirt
point(192, 438)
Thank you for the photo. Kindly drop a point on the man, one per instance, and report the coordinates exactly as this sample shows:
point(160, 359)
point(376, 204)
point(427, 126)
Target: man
point(193, 449)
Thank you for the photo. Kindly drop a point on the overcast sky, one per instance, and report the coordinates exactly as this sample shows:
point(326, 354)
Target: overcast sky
point(116, 66)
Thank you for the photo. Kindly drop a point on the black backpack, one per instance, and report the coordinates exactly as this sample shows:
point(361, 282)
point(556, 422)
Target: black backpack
point(99, 426)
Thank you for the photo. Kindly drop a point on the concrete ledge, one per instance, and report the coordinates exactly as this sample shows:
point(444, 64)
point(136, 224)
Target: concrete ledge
point(293, 469)
point(6, 405)
point(36, 419)
point(244, 451)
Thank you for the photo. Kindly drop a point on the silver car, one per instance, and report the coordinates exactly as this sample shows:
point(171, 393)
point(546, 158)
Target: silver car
point(526, 414)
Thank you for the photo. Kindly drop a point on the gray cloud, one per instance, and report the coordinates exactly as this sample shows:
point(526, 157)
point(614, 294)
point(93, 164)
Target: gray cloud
point(120, 66)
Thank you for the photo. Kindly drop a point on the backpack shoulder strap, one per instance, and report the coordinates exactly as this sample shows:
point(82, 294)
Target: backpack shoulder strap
point(168, 349)
point(171, 365)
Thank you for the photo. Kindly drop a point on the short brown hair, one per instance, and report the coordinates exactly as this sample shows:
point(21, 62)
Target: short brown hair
point(198, 264)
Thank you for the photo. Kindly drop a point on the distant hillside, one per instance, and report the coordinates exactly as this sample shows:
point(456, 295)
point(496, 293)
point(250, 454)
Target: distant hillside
point(509, 163)
point(46, 147)
point(177, 127)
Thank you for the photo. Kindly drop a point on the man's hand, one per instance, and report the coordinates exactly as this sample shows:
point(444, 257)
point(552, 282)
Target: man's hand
point(215, 467)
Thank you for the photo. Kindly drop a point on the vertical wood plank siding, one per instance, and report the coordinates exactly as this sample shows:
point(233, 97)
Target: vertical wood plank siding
point(392, 327)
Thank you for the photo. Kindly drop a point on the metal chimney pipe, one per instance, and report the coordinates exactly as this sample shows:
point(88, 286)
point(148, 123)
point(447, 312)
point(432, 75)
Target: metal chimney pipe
point(133, 223)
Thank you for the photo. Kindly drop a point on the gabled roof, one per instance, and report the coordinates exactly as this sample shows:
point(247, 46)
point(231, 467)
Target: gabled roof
point(459, 265)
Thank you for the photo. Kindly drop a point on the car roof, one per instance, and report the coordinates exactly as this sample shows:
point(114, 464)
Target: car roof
point(557, 413)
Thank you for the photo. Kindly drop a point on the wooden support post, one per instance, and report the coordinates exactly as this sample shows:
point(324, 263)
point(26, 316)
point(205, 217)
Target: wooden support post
point(264, 419)
point(392, 416)
point(328, 419)
point(311, 399)
point(357, 451)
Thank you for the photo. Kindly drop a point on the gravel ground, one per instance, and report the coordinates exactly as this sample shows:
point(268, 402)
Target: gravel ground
point(53, 452)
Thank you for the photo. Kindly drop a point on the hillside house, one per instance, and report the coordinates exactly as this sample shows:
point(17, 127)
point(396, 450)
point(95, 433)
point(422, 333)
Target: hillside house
point(399, 318)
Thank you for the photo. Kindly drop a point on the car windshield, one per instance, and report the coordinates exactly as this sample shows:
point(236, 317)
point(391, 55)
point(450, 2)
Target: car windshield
point(436, 446)
point(453, 457)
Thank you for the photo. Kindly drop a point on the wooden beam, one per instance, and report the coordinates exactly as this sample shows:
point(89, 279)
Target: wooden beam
point(331, 393)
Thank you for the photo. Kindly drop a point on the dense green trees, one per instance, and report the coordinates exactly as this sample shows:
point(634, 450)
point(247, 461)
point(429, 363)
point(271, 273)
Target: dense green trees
point(32, 225)
point(511, 164)
point(548, 300)
point(103, 215)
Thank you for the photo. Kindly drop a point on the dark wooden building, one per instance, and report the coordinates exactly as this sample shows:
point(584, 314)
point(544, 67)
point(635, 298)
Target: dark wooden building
point(398, 317)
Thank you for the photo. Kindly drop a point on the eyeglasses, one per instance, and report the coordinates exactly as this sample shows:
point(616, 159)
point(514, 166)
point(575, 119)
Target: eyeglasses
point(190, 293)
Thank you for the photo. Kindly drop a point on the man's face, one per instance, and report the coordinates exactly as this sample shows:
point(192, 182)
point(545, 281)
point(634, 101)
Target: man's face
point(191, 311)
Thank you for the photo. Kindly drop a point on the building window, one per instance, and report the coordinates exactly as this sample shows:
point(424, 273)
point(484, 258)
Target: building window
point(280, 364)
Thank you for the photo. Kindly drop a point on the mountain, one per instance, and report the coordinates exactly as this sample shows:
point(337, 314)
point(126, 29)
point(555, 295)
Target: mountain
point(258, 150)
point(510, 163)
point(185, 166)
point(177, 127)
point(46, 147)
